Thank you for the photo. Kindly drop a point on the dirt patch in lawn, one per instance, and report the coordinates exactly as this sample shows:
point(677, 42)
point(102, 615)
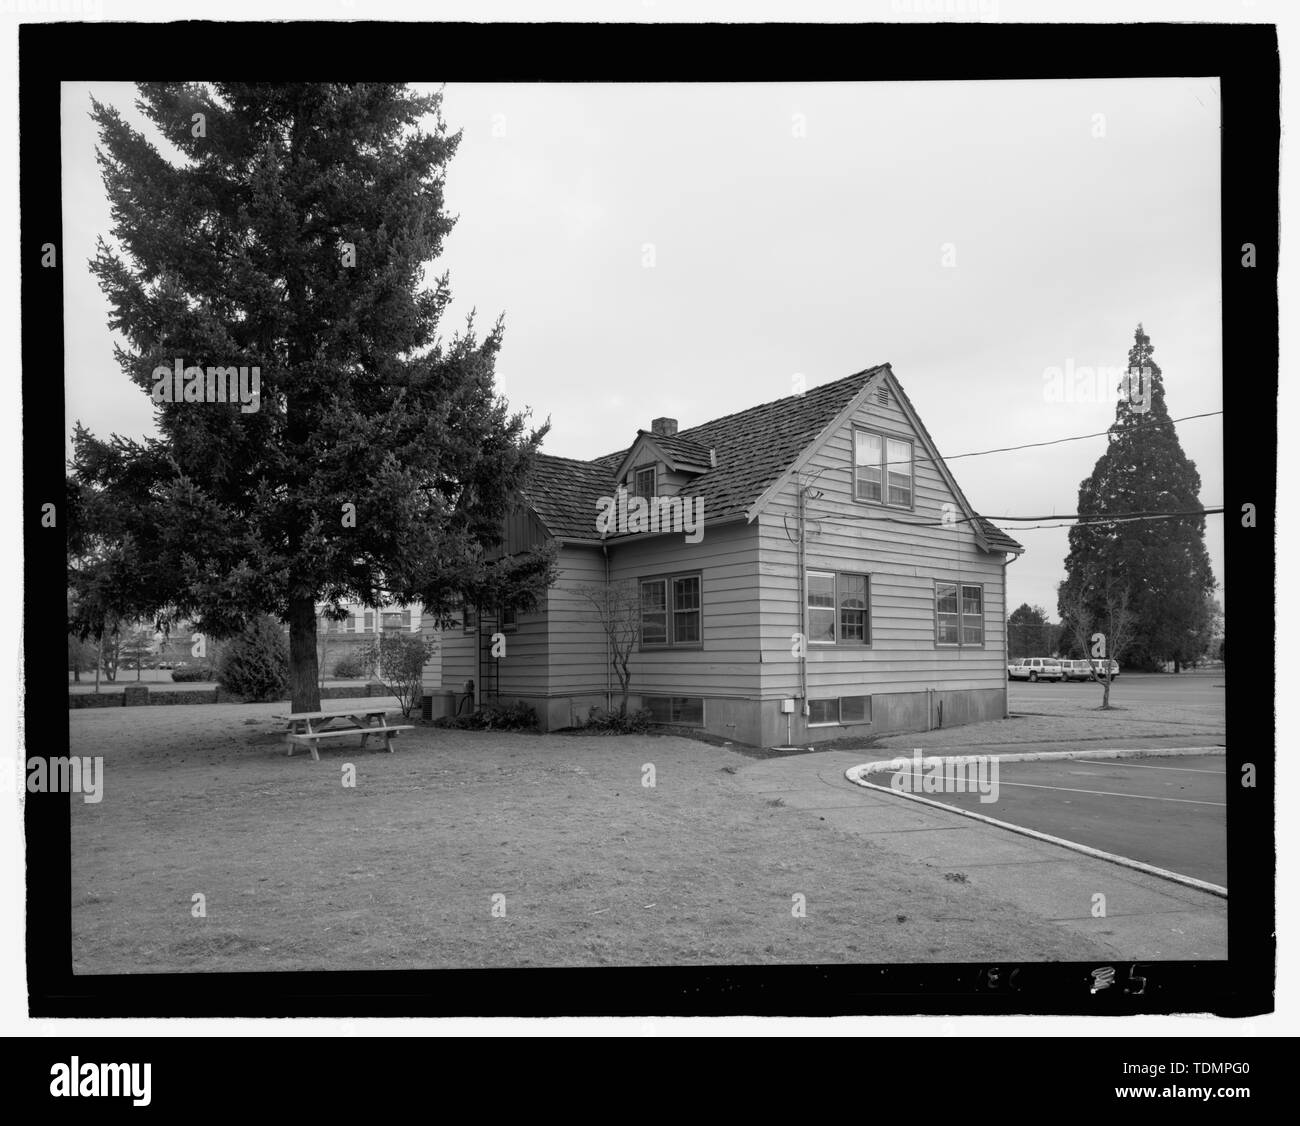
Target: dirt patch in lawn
point(469, 849)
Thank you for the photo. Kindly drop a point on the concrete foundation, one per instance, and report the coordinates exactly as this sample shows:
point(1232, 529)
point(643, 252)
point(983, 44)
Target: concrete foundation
point(761, 723)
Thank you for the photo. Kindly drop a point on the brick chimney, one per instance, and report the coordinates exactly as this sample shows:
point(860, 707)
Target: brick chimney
point(664, 427)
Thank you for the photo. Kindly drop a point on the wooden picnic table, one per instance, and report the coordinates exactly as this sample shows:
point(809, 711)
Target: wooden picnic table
point(309, 728)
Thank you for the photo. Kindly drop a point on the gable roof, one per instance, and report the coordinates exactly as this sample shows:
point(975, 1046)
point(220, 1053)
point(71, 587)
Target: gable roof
point(757, 449)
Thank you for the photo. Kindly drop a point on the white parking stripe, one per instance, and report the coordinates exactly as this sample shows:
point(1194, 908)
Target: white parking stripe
point(1109, 794)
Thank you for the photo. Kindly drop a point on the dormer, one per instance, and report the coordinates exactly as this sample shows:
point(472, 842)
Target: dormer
point(659, 463)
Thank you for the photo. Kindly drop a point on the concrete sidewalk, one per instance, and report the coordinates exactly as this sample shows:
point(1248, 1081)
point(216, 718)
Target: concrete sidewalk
point(1147, 918)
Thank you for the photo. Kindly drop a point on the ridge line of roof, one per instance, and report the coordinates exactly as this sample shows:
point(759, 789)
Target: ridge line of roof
point(869, 371)
point(772, 402)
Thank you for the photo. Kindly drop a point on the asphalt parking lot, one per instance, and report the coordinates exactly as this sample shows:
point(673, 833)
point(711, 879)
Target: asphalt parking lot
point(1128, 689)
point(1165, 811)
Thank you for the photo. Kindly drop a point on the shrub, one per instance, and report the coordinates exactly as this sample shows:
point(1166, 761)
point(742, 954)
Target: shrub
point(400, 659)
point(493, 717)
point(351, 665)
point(255, 665)
point(189, 673)
point(618, 723)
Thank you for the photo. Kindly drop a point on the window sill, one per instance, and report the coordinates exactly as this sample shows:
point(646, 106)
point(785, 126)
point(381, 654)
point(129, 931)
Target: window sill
point(884, 504)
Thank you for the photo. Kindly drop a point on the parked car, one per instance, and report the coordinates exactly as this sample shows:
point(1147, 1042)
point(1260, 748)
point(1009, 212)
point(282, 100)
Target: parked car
point(1082, 670)
point(1075, 670)
point(1035, 669)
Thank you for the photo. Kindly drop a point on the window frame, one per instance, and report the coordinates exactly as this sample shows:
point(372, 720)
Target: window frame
point(670, 611)
point(839, 720)
point(961, 585)
point(671, 721)
point(468, 616)
point(838, 608)
point(885, 438)
point(824, 722)
point(653, 470)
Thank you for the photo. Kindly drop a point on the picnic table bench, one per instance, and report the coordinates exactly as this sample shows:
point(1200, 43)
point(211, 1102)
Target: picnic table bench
point(309, 728)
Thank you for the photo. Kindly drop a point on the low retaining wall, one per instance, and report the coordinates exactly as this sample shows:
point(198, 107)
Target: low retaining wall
point(140, 696)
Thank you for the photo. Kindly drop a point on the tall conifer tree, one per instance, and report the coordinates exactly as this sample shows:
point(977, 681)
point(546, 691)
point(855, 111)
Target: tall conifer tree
point(289, 233)
point(1161, 565)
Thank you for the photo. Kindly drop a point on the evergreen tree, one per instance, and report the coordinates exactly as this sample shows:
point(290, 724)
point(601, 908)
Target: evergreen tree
point(1161, 567)
point(290, 236)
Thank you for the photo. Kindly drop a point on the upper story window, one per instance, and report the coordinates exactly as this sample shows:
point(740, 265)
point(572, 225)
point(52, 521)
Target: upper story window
point(643, 482)
point(882, 469)
point(959, 614)
point(368, 622)
point(838, 608)
point(671, 611)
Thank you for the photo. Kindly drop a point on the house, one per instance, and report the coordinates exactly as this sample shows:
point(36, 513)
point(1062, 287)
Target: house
point(839, 582)
point(346, 639)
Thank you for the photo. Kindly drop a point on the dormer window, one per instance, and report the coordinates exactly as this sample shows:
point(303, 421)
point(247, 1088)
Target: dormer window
point(643, 482)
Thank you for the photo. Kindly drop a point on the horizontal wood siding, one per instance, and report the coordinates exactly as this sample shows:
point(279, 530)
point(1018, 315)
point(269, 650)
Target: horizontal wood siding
point(575, 641)
point(903, 563)
point(431, 677)
point(522, 671)
point(458, 659)
point(727, 559)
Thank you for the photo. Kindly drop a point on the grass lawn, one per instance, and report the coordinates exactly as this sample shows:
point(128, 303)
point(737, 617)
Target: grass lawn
point(299, 872)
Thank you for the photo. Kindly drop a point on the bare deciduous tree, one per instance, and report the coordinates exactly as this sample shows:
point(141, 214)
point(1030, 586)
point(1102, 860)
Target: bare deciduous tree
point(618, 606)
point(1106, 637)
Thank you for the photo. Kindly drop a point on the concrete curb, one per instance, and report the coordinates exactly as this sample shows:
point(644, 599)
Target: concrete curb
point(857, 775)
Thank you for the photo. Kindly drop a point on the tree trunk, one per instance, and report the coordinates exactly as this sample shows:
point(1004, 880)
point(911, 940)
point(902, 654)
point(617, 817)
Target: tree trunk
point(304, 681)
point(99, 662)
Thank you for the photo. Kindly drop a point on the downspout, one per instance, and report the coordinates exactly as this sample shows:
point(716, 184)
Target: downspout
point(803, 596)
point(1006, 639)
point(609, 656)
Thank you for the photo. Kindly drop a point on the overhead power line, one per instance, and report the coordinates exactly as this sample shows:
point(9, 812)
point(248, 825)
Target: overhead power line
point(1059, 441)
point(1079, 518)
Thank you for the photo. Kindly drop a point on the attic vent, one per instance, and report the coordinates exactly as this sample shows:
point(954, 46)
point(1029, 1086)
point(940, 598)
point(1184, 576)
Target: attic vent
point(882, 396)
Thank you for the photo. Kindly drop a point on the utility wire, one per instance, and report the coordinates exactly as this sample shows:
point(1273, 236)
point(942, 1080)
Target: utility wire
point(1051, 442)
point(1080, 518)
point(1076, 438)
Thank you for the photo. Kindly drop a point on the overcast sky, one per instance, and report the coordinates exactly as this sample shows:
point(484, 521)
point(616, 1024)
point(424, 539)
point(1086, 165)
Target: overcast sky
point(804, 229)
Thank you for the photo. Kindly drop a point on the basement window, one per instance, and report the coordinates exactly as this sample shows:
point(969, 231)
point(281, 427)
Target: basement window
point(839, 710)
point(685, 711)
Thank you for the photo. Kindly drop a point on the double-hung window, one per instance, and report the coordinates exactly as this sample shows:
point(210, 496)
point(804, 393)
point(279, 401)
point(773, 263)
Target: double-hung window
point(839, 608)
point(643, 482)
point(671, 610)
point(882, 469)
point(959, 614)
